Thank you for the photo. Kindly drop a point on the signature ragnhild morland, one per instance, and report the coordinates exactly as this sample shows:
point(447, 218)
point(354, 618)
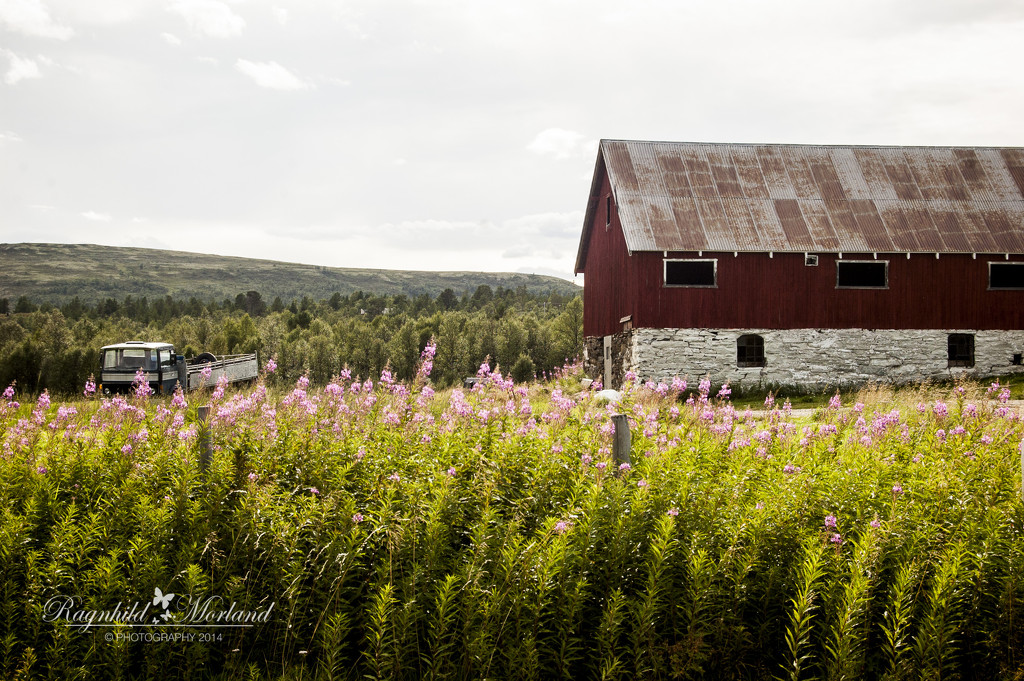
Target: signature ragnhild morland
point(209, 611)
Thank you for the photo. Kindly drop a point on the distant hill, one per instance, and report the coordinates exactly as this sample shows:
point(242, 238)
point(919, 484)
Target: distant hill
point(59, 272)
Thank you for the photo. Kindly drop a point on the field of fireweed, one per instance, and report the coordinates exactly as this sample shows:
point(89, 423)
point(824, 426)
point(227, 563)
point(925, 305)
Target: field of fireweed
point(384, 531)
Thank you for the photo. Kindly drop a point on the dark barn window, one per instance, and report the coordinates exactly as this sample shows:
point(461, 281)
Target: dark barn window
point(1006, 275)
point(691, 273)
point(961, 349)
point(862, 274)
point(750, 351)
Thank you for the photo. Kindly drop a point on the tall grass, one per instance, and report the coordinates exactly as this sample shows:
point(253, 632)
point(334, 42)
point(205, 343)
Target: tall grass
point(402, 534)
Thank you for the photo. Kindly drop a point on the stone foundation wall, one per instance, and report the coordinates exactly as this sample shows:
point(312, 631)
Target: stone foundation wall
point(817, 358)
point(622, 357)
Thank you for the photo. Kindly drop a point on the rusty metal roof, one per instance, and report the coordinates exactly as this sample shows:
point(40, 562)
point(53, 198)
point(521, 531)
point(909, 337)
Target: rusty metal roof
point(680, 196)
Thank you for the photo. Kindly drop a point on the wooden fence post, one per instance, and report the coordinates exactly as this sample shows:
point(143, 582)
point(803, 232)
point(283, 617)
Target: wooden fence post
point(622, 440)
point(205, 444)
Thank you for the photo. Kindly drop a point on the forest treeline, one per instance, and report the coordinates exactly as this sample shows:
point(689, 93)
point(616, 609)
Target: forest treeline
point(43, 346)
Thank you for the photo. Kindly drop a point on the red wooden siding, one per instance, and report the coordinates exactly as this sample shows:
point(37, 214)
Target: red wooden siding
point(607, 290)
point(755, 291)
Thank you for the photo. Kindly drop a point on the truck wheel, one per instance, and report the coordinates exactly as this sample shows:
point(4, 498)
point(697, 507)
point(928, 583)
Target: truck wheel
point(205, 358)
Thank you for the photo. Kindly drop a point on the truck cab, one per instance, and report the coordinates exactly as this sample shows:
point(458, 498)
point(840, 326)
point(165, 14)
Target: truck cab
point(160, 365)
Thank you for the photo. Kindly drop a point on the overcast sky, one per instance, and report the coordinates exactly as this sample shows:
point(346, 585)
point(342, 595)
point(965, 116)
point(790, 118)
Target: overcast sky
point(447, 134)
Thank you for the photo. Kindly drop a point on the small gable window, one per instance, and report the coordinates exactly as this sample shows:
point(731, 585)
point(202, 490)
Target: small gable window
point(862, 274)
point(1006, 275)
point(750, 351)
point(961, 349)
point(695, 273)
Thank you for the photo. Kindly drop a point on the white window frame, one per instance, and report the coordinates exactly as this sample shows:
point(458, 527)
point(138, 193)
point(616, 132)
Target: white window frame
point(664, 272)
point(1003, 263)
point(839, 263)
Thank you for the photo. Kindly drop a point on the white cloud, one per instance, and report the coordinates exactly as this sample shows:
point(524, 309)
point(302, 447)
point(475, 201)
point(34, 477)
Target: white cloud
point(31, 17)
point(171, 39)
point(8, 136)
point(281, 14)
point(21, 68)
point(96, 217)
point(557, 142)
point(271, 75)
point(209, 17)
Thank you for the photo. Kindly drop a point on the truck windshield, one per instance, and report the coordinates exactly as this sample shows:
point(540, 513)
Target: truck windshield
point(130, 359)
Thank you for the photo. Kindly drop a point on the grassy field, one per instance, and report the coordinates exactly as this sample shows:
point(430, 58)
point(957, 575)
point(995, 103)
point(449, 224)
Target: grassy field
point(58, 272)
point(387, 531)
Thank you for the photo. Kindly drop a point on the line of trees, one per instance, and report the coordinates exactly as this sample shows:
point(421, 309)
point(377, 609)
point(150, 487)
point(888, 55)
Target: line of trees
point(43, 346)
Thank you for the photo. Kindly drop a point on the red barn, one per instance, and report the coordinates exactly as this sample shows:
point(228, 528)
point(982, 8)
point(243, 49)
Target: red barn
point(803, 265)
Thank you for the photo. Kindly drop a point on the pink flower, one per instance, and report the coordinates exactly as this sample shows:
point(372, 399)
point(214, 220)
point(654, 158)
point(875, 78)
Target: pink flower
point(876, 523)
point(836, 538)
point(357, 518)
point(314, 491)
point(271, 366)
point(41, 470)
point(562, 526)
point(395, 477)
point(897, 488)
point(252, 477)
point(831, 522)
point(625, 467)
point(90, 387)
point(641, 483)
point(673, 512)
point(451, 471)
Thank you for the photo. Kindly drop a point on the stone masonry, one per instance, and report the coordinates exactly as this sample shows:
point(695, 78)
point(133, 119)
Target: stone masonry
point(808, 358)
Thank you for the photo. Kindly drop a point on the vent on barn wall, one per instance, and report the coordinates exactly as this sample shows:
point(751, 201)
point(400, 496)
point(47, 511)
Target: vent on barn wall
point(810, 260)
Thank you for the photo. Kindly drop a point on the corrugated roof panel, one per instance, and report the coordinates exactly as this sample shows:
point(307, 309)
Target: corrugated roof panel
point(873, 165)
point(823, 235)
point(699, 175)
point(774, 170)
point(944, 169)
point(898, 223)
point(691, 232)
point(716, 225)
point(723, 172)
point(973, 173)
point(901, 174)
point(845, 224)
point(1003, 223)
point(944, 214)
point(1015, 164)
point(742, 226)
point(748, 169)
point(919, 223)
point(999, 178)
point(662, 219)
point(825, 176)
point(793, 225)
point(766, 221)
point(799, 174)
point(812, 198)
point(648, 176)
point(870, 225)
point(851, 177)
point(976, 231)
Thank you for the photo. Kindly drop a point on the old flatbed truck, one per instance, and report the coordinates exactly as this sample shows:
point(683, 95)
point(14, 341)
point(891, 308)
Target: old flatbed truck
point(164, 369)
